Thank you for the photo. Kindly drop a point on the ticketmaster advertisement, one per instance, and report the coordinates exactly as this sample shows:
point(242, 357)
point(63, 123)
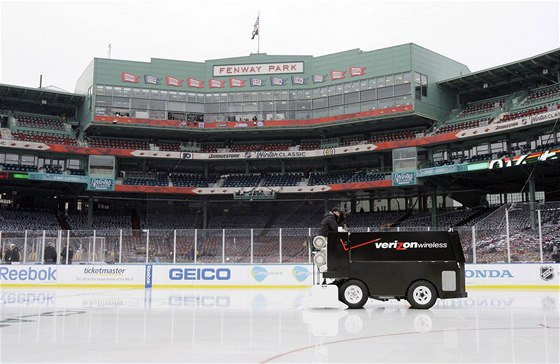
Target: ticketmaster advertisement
point(102, 275)
point(72, 275)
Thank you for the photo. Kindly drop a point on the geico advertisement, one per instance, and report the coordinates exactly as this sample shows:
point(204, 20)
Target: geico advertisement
point(102, 274)
point(252, 275)
point(228, 298)
point(533, 274)
point(29, 274)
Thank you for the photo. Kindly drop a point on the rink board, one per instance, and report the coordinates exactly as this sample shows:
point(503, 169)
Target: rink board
point(505, 276)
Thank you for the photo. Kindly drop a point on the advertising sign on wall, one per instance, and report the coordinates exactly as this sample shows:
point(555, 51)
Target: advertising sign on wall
point(101, 184)
point(257, 69)
point(232, 275)
point(57, 177)
point(407, 178)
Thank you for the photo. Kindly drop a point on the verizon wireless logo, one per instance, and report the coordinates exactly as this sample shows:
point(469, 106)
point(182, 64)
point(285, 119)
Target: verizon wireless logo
point(397, 245)
point(404, 245)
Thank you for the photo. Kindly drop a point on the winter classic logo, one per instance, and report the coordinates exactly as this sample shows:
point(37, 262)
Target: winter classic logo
point(101, 184)
point(404, 178)
point(300, 273)
point(547, 273)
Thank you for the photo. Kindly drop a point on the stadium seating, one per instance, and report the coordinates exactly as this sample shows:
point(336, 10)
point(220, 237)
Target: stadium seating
point(448, 128)
point(100, 221)
point(394, 135)
point(373, 220)
point(118, 143)
point(252, 147)
point(211, 148)
point(351, 141)
point(158, 179)
point(192, 180)
point(242, 180)
point(76, 171)
point(55, 169)
point(309, 145)
point(27, 219)
point(348, 176)
point(179, 220)
point(39, 122)
point(365, 176)
point(542, 94)
point(445, 219)
point(44, 137)
point(481, 107)
point(279, 179)
point(170, 146)
point(527, 112)
point(18, 167)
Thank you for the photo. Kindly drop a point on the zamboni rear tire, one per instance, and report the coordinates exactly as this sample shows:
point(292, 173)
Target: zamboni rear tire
point(354, 293)
point(421, 295)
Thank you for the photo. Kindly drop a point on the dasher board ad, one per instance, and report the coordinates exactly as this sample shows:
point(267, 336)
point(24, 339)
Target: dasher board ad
point(231, 275)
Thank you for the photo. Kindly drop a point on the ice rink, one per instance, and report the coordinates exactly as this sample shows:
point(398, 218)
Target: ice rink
point(267, 326)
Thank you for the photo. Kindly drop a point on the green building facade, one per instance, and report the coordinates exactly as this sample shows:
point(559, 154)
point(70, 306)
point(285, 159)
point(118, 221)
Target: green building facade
point(271, 87)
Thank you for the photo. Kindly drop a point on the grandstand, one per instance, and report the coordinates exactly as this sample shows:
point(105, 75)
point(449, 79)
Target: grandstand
point(264, 163)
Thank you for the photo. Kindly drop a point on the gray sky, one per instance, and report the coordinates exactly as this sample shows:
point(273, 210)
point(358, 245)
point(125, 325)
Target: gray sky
point(59, 39)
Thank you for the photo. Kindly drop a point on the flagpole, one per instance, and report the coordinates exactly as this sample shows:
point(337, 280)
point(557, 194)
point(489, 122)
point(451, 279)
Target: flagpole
point(259, 34)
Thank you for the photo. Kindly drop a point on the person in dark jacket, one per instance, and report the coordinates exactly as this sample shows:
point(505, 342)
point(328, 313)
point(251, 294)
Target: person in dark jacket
point(12, 254)
point(63, 255)
point(50, 254)
point(330, 222)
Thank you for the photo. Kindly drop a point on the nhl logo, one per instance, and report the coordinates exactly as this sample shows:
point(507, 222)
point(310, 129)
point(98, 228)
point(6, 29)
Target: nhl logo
point(547, 273)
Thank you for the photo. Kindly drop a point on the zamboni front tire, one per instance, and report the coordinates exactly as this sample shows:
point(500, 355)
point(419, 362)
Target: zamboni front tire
point(421, 295)
point(354, 293)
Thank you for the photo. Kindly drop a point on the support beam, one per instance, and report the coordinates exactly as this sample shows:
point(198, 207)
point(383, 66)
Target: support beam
point(532, 202)
point(434, 210)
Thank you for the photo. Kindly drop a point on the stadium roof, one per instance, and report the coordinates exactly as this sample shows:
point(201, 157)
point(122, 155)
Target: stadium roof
point(507, 78)
point(16, 95)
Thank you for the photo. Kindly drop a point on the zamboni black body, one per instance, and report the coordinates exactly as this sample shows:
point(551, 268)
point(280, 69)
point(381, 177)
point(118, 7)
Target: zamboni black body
point(417, 266)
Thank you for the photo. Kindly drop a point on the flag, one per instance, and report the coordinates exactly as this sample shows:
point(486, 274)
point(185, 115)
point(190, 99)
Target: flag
point(235, 82)
point(297, 80)
point(129, 77)
point(337, 75)
point(278, 81)
point(172, 81)
point(357, 71)
point(215, 83)
point(257, 81)
point(192, 82)
point(319, 78)
point(152, 80)
point(256, 29)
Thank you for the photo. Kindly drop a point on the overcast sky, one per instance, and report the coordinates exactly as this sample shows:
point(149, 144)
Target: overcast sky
point(59, 39)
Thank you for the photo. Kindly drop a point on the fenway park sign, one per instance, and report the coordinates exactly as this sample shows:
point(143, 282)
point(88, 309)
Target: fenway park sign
point(257, 69)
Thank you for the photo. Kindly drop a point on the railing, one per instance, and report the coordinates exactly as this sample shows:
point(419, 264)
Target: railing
point(513, 233)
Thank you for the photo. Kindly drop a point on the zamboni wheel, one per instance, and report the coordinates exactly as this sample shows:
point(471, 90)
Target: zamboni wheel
point(353, 293)
point(421, 295)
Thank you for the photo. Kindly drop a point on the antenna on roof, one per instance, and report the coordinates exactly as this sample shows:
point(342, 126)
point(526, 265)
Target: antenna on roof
point(109, 52)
